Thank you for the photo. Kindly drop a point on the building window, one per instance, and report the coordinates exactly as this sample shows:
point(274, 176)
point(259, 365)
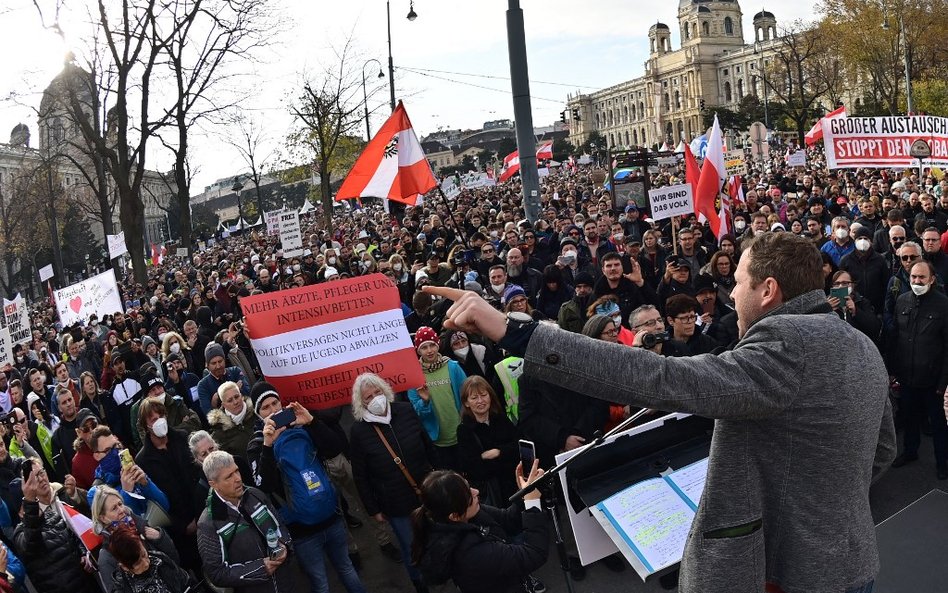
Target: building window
point(677, 100)
point(727, 92)
point(728, 26)
point(635, 138)
point(740, 88)
point(705, 28)
point(687, 33)
point(737, 69)
point(627, 138)
point(694, 29)
point(726, 72)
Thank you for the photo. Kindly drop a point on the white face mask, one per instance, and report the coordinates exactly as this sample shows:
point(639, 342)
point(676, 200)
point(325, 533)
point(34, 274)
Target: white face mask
point(617, 319)
point(740, 225)
point(569, 257)
point(920, 289)
point(863, 244)
point(332, 261)
point(175, 348)
point(462, 352)
point(397, 267)
point(841, 234)
point(498, 287)
point(160, 428)
point(378, 405)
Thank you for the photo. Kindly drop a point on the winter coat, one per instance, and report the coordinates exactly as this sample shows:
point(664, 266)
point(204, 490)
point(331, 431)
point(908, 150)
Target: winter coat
point(476, 437)
point(174, 472)
point(233, 548)
point(549, 302)
point(572, 315)
point(918, 342)
point(629, 295)
point(232, 437)
point(795, 443)
point(177, 412)
point(478, 555)
point(870, 275)
point(381, 485)
point(50, 551)
point(208, 385)
point(161, 569)
point(426, 411)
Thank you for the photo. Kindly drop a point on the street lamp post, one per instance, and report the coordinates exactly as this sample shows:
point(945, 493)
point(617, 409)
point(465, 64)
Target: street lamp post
point(240, 217)
point(365, 96)
point(903, 43)
point(411, 16)
point(763, 72)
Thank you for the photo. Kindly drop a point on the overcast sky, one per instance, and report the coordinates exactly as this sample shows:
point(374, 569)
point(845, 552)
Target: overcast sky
point(577, 46)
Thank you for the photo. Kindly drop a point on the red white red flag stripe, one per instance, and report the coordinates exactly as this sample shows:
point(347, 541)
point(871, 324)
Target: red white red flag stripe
point(816, 132)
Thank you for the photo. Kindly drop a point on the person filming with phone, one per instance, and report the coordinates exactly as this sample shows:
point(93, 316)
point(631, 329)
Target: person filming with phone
point(479, 547)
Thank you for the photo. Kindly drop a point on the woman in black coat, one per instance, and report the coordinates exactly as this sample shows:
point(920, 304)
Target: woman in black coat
point(459, 539)
point(487, 442)
point(855, 309)
point(386, 491)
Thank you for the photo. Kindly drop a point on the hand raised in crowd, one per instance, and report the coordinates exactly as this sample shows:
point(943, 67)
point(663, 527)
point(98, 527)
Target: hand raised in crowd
point(471, 313)
point(173, 373)
point(20, 433)
point(30, 487)
point(303, 416)
point(635, 276)
point(132, 475)
point(535, 473)
point(850, 305)
point(69, 485)
point(423, 393)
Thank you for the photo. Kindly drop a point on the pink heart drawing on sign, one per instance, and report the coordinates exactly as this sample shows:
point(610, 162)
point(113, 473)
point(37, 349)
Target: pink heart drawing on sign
point(75, 304)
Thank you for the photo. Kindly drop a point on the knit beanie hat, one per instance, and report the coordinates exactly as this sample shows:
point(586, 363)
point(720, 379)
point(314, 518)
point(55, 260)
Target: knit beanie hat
point(426, 334)
point(212, 351)
point(261, 392)
point(511, 293)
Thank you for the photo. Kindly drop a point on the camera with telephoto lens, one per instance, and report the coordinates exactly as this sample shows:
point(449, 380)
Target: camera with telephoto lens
point(651, 340)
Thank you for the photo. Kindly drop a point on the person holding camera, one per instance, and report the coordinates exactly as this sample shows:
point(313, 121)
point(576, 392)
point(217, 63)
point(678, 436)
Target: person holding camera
point(242, 540)
point(479, 547)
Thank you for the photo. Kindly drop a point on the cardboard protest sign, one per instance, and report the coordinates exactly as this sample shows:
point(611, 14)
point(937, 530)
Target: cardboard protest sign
point(98, 294)
point(671, 200)
point(117, 245)
point(313, 341)
point(46, 272)
point(6, 348)
point(290, 235)
point(16, 318)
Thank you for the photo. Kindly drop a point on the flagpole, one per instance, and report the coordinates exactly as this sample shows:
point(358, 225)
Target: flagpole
point(675, 234)
point(454, 223)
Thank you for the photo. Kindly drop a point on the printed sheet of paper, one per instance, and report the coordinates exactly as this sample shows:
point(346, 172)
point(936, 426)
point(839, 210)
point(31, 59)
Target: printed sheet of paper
point(653, 520)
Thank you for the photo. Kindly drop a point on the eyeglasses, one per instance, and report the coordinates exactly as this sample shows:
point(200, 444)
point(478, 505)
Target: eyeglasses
point(687, 318)
point(842, 283)
point(649, 323)
point(610, 332)
point(898, 239)
point(491, 250)
point(908, 257)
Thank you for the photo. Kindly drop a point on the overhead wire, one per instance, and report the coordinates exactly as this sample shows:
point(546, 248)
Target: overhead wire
point(478, 86)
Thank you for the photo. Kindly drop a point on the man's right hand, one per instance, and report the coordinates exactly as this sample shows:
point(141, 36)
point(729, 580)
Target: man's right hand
point(273, 565)
point(471, 313)
point(270, 432)
point(30, 488)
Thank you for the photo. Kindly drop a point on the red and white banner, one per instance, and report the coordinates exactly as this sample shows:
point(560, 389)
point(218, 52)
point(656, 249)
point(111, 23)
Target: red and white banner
point(883, 142)
point(511, 166)
point(816, 132)
point(313, 341)
point(82, 527)
point(545, 151)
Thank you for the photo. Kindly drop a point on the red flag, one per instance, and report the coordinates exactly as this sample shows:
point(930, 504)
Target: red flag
point(816, 132)
point(393, 165)
point(511, 166)
point(692, 173)
point(156, 255)
point(712, 177)
point(82, 526)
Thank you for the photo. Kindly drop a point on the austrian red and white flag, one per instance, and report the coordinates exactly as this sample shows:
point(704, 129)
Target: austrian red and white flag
point(392, 165)
point(713, 175)
point(313, 341)
point(81, 526)
point(735, 189)
point(816, 132)
point(158, 254)
point(545, 151)
point(511, 166)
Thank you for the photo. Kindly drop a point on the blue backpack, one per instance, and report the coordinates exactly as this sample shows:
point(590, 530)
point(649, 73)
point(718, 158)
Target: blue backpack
point(310, 496)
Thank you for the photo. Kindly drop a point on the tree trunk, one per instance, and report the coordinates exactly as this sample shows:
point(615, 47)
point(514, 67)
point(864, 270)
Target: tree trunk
point(131, 216)
point(326, 192)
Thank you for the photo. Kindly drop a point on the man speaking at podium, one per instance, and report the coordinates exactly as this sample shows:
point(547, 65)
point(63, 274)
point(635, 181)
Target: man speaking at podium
point(785, 507)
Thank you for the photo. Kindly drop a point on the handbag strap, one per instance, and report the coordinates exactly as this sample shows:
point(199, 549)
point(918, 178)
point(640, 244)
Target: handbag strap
point(398, 461)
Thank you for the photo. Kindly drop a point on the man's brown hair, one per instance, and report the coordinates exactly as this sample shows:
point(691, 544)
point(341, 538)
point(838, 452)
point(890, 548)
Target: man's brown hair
point(794, 262)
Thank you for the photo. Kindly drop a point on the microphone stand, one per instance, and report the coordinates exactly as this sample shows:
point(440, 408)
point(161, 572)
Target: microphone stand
point(547, 480)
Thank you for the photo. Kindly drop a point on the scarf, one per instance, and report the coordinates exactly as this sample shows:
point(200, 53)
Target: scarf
point(434, 366)
point(238, 418)
point(370, 417)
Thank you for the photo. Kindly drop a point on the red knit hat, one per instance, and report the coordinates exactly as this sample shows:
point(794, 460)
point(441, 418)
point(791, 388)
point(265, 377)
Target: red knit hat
point(426, 334)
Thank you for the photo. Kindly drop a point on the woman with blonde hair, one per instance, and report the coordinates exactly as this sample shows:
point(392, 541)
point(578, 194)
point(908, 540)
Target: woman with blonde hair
point(174, 343)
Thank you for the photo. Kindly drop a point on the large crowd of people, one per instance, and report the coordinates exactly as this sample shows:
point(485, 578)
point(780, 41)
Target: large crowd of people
point(157, 424)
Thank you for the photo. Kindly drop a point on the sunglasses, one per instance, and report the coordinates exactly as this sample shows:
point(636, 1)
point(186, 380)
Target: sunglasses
point(908, 257)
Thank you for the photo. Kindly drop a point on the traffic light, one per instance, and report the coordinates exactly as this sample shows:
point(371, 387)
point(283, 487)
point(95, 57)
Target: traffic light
point(701, 104)
point(563, 116)
point(576, 114)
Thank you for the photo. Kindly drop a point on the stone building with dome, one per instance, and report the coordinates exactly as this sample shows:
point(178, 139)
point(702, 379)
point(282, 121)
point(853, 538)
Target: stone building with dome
point(715, 63)
point(57, 141)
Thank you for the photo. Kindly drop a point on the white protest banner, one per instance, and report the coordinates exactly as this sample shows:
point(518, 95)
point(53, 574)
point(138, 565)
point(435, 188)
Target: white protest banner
point(883, 142)
point(99, 295)
point(117, 245)
point(273, 222)
point(182, 252)
point(46, 272)
point(16, 318)
point(671, 200)
point(6, 348)
point(797, 159)
point(476, 180)
point(290, 235)
point(313, 341)
point(450, 188)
